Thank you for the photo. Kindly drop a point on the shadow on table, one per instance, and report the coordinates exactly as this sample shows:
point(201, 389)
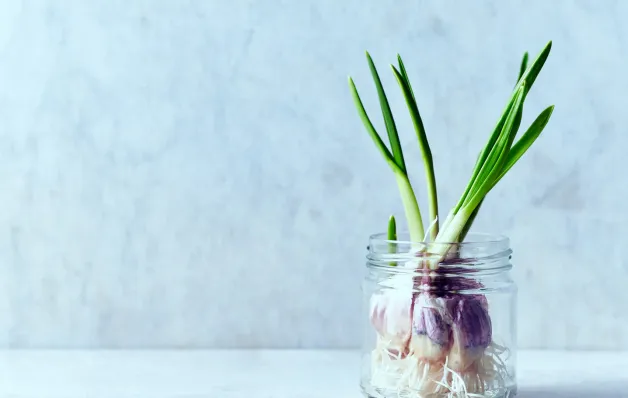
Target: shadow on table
point(603, 391)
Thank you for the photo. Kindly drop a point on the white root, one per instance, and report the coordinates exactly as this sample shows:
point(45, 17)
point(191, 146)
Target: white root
point(410, 377)
point(429, 229)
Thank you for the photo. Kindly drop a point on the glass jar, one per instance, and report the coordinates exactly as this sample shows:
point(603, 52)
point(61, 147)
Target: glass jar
point(439, 326)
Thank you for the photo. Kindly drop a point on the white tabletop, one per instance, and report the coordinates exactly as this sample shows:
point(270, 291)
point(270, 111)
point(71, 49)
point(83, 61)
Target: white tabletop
point(269, 374)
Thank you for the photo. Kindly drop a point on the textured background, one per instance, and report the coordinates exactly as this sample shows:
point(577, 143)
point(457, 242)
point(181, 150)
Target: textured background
point(193, 173)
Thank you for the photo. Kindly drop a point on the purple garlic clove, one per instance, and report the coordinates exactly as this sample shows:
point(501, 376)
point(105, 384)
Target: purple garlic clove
point(431, 326)
point(472, 331)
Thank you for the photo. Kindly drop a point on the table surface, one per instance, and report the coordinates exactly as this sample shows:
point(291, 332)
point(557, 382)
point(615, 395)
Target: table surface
point(270, 374)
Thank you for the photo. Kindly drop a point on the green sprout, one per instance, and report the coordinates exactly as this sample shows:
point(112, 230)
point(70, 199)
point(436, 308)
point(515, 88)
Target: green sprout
point(498, 156)
point(392, 237)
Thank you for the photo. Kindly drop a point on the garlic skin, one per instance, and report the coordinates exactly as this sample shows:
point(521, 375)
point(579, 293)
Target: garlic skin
point(431, 328)
point(391, 313)
point(457, 327)
point(472, 332)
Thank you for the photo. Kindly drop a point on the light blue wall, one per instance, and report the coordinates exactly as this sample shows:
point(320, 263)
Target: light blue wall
point(193, 173)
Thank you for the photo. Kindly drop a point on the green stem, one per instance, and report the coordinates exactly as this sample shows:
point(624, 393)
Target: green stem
point(395, 159)
point(467, 227)
point(444, 242)
point(392, 236)
point(411, 207)
point(528, 78)
point(469, 223)
point(428, 163)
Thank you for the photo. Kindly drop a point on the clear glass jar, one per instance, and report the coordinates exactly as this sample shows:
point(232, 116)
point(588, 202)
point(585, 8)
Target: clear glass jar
point(439, 331)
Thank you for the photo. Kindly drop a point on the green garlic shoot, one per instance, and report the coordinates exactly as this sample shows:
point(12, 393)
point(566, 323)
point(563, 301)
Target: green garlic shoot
point(498, 156)
point(391, 236)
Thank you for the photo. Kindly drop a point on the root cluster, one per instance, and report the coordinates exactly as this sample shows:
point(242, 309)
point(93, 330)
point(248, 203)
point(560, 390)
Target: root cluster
point(411, 377)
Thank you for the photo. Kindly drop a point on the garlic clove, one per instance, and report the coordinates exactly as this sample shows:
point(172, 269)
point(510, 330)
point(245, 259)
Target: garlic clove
point(432, 335)
point(472, 332)
point(391, 317)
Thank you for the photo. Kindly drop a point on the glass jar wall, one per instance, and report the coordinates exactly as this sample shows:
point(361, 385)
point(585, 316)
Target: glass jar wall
point(439, 326)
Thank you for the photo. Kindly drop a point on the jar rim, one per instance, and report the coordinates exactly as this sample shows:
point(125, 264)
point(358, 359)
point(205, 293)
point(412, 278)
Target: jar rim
point(472, 239)
point(480, 251)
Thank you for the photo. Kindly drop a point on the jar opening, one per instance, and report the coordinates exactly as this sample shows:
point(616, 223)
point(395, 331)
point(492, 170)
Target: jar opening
point(473, 238)
point(478, 251)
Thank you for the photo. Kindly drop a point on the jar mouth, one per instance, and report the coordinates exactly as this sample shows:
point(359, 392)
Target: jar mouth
point(472, 239)
point(478, 251)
